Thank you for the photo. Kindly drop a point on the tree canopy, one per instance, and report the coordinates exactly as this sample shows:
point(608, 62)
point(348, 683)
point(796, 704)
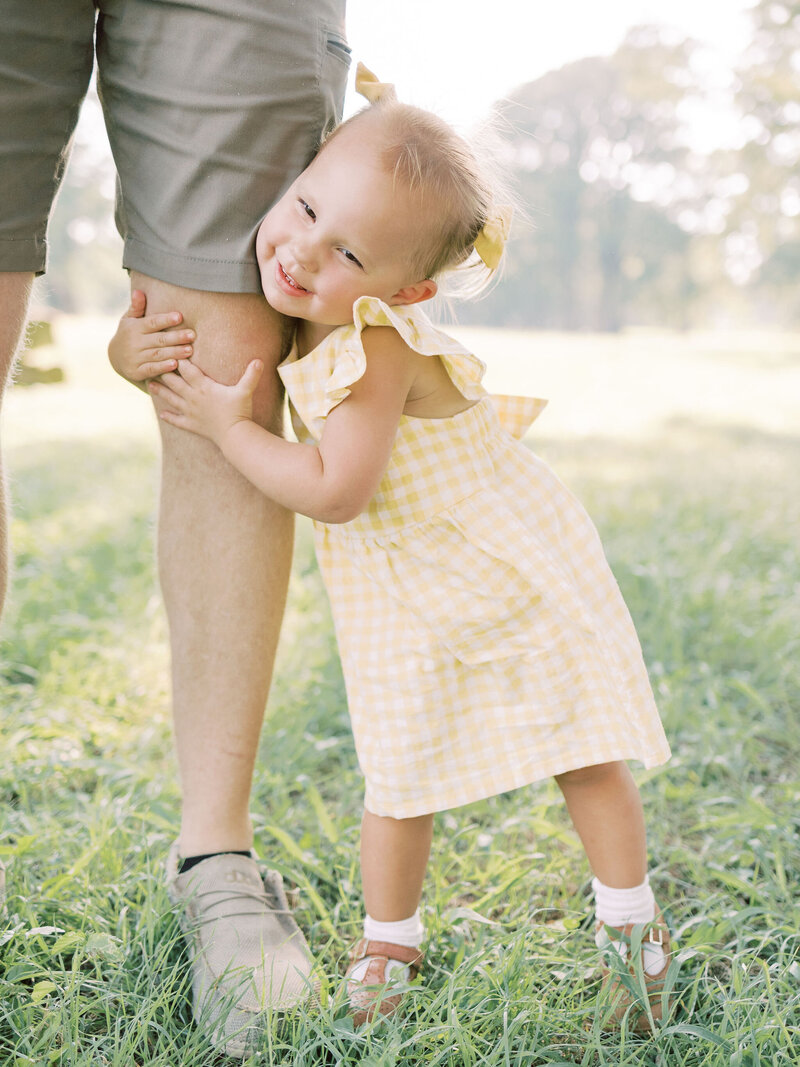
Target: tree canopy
point(624, 216)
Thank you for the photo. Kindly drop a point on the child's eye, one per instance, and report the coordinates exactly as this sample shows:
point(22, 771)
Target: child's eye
point(308, 210)
point(349, 255)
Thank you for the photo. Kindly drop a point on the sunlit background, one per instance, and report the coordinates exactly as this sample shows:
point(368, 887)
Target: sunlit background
point(654, 149)
point(459, 58)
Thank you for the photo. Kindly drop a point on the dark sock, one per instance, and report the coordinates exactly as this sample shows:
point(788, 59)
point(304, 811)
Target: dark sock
point(188, 862)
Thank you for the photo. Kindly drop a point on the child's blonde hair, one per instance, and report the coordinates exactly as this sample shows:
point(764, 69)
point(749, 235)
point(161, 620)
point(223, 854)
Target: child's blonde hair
point(458, 184)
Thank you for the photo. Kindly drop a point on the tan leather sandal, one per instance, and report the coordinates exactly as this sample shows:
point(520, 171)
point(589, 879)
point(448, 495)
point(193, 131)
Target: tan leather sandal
point(372, 994)
point(615, 986)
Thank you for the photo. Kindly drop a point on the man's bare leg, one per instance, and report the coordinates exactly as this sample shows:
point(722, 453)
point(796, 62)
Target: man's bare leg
point(224, 556)
point(15, 290)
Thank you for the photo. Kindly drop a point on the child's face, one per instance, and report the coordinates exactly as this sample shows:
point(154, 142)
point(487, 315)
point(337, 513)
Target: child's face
point(340, 232)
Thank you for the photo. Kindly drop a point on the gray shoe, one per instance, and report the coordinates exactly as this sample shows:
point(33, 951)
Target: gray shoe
point(248, 955)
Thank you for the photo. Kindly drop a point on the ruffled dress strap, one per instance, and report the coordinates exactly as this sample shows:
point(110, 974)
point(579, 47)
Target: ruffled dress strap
point(318, 381)
point(517, 413)
point(419, 333)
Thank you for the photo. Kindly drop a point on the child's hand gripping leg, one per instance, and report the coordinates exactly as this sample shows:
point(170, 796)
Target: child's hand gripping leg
point(394, 857)
point(191, 400)
point(146, 346)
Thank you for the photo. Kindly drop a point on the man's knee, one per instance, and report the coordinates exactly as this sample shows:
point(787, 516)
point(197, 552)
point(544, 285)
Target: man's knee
point(232, 329)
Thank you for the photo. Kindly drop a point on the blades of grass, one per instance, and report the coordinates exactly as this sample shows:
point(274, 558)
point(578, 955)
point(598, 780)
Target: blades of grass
point(739, 884)
point(777, 1014)
point(322, 910)
point(694, 1030)
point(297, 853)
point(500, 891)
point(20, 847)
point(325, 822)
point(747, 690)
point(51, 888)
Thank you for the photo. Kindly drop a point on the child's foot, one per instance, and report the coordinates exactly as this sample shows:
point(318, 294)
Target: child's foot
point(621, 974)
point(248, 955)
point(378, 976)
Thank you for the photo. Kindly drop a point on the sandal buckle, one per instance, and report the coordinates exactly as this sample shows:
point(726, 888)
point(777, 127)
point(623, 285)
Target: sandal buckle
point(652, 938)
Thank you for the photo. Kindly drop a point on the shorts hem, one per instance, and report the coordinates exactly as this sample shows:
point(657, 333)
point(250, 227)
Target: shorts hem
point(192, 272)
point(466, 796)
point(27, 254)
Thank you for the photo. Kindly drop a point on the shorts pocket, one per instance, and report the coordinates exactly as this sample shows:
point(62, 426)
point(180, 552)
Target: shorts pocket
point(334, 58)
point(337, 47)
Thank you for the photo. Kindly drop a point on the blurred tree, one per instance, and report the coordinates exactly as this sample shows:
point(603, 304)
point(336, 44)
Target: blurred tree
point(38, 334)
point(766, 224)
point(604, 175)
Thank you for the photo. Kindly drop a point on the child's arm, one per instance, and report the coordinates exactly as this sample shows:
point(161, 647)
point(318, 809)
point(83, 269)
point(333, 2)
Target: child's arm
point(144, 348)
point(333, 481)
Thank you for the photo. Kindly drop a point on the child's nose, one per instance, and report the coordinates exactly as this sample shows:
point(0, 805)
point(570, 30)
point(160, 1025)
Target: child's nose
point(303, 252)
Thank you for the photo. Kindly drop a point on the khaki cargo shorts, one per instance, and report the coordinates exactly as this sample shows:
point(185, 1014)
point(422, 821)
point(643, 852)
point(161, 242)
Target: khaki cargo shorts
point(212, 108)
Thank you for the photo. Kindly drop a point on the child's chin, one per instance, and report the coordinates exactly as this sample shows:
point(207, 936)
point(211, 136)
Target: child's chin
point(287, 305)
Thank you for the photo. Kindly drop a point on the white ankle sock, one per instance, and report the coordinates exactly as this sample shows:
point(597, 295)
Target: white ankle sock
point(408, 932)
point(616, 907)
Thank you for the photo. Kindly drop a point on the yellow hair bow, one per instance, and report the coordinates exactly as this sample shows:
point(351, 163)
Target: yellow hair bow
point(490, 242)
point(368, 85)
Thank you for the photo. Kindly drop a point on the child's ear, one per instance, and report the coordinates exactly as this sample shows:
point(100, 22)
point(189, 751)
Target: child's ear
point(416, 293)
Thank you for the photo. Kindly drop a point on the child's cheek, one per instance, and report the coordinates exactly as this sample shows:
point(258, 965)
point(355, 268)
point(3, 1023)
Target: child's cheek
point(262, 240)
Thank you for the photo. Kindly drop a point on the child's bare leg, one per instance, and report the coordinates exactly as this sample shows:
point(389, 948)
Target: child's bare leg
point(394, 858)
point(605, 807)
point(606, 810)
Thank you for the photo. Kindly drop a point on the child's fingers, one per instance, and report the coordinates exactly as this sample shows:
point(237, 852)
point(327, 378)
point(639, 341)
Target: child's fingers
point(162, 392)
point(174, 418)
point(170, 338)
point(174, 383)
point(157, 368)
point(251, 377)
point(193, 375)
point(173, 349)
point(183, 422)
point(163, 321)
point(138, 305)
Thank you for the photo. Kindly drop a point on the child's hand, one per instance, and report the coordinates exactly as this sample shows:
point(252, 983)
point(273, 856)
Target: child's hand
point(144, 348)
point(190, 400)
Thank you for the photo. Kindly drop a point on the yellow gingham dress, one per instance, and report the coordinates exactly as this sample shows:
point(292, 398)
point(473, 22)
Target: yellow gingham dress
point(484, 641)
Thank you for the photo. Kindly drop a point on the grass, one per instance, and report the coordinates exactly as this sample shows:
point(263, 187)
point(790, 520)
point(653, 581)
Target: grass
point(698, 507)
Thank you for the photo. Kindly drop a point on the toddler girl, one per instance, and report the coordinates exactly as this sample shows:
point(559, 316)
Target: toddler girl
point(484, 640)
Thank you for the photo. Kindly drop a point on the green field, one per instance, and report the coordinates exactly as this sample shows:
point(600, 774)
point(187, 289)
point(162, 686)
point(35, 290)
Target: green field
point(686, 450)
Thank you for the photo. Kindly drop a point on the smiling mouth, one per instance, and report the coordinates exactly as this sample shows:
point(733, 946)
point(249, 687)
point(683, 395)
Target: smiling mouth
point(289, 280)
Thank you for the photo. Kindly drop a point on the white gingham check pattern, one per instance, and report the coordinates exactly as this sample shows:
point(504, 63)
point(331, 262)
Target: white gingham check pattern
point(484, 641)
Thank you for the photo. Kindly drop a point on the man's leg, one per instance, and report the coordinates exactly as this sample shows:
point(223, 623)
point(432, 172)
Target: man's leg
point(15, 290)
point(224, 556)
